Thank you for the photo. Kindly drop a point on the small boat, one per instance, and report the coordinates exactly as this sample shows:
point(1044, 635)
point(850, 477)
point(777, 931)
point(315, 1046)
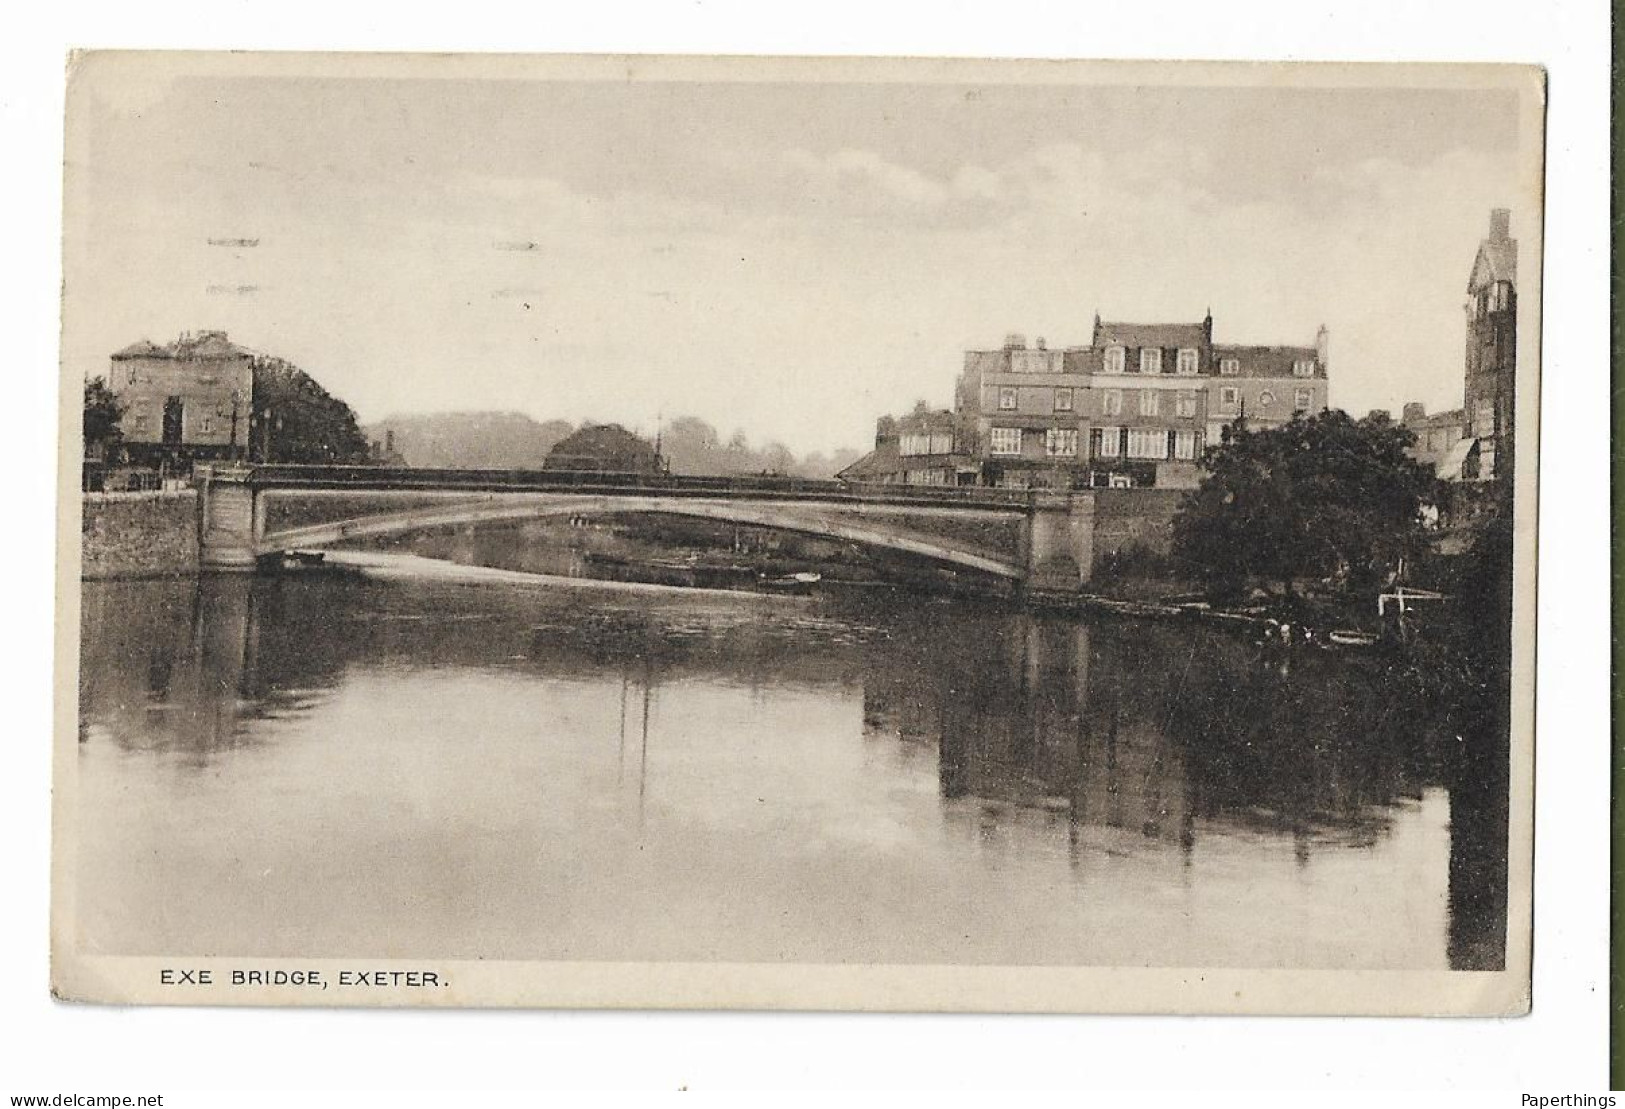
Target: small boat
point(790, 583)
point(1344, 637)
point(304, 558)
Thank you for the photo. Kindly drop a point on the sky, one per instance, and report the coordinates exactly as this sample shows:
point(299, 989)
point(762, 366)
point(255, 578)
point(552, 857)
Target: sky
point(790, 259)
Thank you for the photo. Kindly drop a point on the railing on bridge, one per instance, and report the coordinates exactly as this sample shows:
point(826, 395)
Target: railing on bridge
point(610, 481)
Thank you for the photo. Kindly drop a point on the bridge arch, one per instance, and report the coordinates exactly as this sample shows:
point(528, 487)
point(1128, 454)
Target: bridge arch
point(797, 516)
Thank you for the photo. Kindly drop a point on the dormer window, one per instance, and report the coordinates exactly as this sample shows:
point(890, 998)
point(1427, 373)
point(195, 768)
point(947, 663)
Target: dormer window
point(1115, 359)
point(1151, 360)
point(1007, 399)
point(1229, 367)
point(1303, 367)
point(1187, 361)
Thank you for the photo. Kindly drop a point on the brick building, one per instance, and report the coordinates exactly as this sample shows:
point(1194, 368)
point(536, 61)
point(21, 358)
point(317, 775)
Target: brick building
point(925, 447)
point(1136, 407)
point(187, 401)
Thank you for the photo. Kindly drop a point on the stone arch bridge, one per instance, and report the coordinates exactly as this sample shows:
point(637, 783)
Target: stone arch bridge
point(248, 514)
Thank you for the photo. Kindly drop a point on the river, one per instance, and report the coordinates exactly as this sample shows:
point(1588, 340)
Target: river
point(422, 761)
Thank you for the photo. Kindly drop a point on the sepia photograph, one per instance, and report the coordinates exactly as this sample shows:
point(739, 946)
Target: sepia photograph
point(797, 533)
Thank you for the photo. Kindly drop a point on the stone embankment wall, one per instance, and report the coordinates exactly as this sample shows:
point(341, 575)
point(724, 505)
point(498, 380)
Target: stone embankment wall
point(1135, 520)
point(139, 534)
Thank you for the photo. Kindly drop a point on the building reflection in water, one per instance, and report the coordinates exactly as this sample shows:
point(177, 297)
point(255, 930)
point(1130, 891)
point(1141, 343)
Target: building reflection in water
point(1146, 737)
point(1113, 738)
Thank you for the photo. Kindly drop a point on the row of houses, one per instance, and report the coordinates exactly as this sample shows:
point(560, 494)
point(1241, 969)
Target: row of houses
point(1135, 407)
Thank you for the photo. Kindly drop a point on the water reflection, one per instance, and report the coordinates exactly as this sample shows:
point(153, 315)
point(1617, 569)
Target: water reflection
point(669, 775)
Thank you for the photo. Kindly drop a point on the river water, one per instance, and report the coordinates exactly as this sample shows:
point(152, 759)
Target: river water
point(423, 761)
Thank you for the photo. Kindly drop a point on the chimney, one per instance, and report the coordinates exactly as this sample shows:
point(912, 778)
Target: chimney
point(1415, 412)
point(1322, 344)
point(1041, 343)
point(389, 440)
point(1500, 224)
point(1015, 341)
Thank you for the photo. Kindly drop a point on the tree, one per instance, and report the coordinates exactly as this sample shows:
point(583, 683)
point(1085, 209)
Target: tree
point(604, 447)
point(102, 415)
point(1327, 496)
point(296, 420)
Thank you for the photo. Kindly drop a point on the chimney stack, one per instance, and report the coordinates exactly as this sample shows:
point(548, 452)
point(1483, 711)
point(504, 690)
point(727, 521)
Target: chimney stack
point(1015, 341)
point(1500, 224)
point(1322, 345)
point(1415, 412)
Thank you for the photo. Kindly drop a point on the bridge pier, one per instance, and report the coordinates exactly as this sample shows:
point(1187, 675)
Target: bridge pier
point(231, 518)
point(1058, 540)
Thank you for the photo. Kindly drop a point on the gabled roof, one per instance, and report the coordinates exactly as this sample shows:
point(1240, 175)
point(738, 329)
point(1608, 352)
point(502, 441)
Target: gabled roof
point(1455, 459)
point(877, 463)
point(1497, 261)
point(1267, 361)
point(1149, 335)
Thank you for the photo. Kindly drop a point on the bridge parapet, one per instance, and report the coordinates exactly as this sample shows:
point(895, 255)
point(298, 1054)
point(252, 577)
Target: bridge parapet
point(250, 512)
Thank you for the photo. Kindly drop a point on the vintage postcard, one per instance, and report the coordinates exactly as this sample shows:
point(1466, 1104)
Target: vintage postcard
point(797, 533)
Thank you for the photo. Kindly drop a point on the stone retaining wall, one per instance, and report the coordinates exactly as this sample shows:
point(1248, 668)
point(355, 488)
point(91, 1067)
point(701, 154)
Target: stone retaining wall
point(139, 534)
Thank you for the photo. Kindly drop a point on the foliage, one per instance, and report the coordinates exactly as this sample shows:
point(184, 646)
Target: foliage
point(471, 440)
point(301, 421)
point(102, 414)
point(603, 447)
point(692, 446)
point(1322, 497)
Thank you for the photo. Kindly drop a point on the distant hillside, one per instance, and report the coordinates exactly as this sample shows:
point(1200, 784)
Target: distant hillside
point(514, 441)
point(471, 440)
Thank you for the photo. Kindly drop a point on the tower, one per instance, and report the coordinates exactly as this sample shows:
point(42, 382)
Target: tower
point(1488, 388)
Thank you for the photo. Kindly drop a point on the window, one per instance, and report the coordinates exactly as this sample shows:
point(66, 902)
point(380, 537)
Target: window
point(1150, 402)
point(1115, 358)
point(1187, 361)
point(1111, 402)
point(1303, 400)
point(1229, 398)
point(1007, 400)
point(1186, 404)
point(1006, 440)
point(1063, 400)
point(925, 442)
point(1229, 367)
point(208, 426)
point(1303, 367)
point(1147, 442)
point(129, 376)
point(1110, 441)
point(1185, 444)
point(1151, 360)
point(1061, 442)
point(1266, 399)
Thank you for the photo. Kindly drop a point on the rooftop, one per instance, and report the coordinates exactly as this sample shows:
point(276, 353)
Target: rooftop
point(1109, 334)
point(201, 344)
